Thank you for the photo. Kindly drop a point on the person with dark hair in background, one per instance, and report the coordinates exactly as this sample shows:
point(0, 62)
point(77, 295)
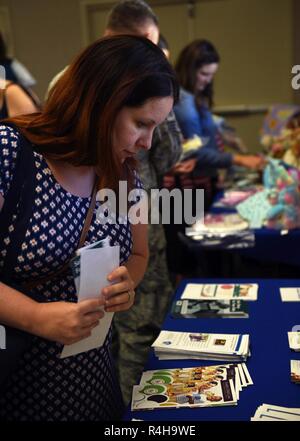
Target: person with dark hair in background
point(196, 67)
point(100, 113)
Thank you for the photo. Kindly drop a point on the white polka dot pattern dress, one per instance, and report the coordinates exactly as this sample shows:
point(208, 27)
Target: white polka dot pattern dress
point(44, 387)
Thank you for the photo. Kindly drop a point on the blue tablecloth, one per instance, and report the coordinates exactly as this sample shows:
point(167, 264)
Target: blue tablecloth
point(269, 365)
point(270, 245)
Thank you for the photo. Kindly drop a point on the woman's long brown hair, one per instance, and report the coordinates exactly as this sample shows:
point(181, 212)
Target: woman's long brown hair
point(77, 121)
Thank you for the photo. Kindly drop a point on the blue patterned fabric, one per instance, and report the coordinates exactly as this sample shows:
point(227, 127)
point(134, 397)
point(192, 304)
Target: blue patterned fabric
point(44, 387)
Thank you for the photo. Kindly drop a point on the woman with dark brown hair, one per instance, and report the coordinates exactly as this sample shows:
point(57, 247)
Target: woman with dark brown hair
point(196, 67)
point(101, 112)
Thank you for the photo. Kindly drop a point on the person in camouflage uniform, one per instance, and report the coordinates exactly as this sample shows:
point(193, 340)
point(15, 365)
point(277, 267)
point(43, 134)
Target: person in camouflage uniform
point(136, 329)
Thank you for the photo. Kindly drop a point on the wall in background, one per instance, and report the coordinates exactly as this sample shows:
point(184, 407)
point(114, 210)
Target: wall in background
point(47, 35)
point(257, 41)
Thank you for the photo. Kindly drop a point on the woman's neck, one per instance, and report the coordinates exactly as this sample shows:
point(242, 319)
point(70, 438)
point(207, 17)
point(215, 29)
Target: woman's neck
point(79, 181)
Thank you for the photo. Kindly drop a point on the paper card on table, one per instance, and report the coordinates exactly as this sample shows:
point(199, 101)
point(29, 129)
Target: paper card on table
point(197, 291)
point(96, 264)
point(294, 341)
point(290, 294)
point(295, 371)
point(263, 417)
point(278, 412)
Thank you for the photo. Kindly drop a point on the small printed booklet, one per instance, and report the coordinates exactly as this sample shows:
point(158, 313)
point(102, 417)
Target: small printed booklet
point(209, 309)
point(269, 412)
point(201, 386)
point(290, 294)
point(295, 371)
point(294, 341)
point(225, 291)
point(171, 345)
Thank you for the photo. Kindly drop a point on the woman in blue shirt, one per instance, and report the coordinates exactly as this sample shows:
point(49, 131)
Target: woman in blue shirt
point(196, 67)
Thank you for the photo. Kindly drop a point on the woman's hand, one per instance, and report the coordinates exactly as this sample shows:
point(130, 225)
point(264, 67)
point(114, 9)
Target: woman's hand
point(185, 166)
point(120, 295)
point(66, 322)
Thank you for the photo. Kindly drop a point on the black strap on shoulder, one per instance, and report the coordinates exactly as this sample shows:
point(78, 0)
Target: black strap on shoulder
point(21, 196)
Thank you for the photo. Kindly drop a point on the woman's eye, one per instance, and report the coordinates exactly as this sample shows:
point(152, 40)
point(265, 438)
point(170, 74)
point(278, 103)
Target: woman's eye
point(140, 124)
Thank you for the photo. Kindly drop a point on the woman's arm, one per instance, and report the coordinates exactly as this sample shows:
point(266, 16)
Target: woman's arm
point(137, 263)
point(18, 102)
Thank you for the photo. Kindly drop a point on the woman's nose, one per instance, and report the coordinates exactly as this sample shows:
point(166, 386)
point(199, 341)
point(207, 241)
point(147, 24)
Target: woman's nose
point(145, 142)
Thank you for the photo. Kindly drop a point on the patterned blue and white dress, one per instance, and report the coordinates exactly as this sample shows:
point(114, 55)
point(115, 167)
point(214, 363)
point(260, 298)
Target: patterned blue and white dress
point(45, 387)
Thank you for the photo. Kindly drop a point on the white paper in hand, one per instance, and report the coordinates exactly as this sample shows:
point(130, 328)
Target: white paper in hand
point(95, 265)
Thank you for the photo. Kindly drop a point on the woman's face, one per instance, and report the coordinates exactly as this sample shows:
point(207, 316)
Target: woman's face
point(134, 126)
point(205, 75)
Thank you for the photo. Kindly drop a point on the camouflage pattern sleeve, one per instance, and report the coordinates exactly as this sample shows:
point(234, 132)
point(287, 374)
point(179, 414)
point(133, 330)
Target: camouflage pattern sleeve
point(166, 147)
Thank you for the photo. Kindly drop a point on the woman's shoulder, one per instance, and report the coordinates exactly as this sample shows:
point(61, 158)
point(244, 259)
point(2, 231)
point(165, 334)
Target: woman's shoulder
point(185, 94)
point(9, 135)
point(186, 105)
point(186, 99)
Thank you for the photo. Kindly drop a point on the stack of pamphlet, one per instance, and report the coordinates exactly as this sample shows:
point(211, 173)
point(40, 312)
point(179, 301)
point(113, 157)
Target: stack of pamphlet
point(294, 341)
point(223, 291)
point(201, 386)
point(172, 345)
point(268, 412)
point(295, 371)
point(209, 309)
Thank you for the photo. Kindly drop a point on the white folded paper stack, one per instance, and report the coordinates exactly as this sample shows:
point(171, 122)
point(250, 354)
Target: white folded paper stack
point(90, 267)
point(171, 345)
point(268, 412)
